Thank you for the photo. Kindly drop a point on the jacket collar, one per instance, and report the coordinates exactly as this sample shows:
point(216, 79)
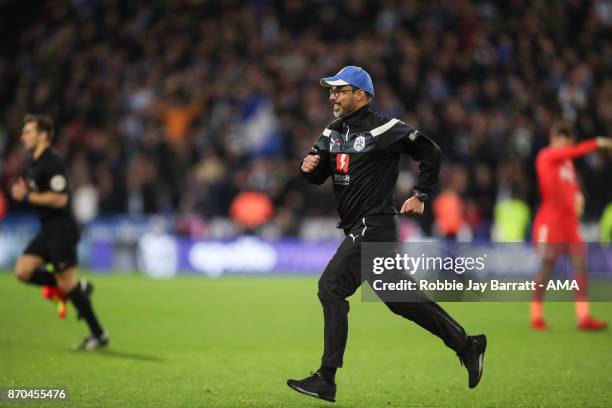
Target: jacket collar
point(357, 116)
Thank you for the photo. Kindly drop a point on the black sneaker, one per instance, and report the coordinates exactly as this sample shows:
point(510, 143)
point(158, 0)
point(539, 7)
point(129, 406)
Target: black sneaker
point(315, 386)
point(473, 358)
point(92, 342)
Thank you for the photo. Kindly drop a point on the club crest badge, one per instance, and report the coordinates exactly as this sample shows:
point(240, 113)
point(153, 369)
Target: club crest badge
point(58, 183)
point(359, 143)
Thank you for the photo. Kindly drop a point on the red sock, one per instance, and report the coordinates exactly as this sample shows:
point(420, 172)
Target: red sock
point(536, 310)
point(581, 296)
point(537, 304)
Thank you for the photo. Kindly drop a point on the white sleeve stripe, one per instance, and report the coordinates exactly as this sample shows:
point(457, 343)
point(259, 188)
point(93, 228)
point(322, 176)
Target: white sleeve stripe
point(383, 128)
point(327, 132)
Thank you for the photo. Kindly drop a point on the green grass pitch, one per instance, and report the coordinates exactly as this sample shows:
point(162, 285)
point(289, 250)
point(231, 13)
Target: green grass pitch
point(233, 342)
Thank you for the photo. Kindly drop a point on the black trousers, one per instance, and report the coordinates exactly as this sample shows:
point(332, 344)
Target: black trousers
point(342, 277)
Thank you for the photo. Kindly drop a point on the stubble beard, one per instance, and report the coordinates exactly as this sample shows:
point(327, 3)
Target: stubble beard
point(340, 111)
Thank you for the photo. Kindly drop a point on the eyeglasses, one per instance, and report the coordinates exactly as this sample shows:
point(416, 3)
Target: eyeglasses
point(337, 92)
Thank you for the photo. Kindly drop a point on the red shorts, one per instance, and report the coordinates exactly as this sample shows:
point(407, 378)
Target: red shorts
point(552, 240)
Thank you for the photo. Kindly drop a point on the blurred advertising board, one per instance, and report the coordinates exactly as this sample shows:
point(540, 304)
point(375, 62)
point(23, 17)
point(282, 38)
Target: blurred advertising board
point(153, 246)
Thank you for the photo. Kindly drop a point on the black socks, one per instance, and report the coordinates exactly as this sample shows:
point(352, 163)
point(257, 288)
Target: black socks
point(83, 305)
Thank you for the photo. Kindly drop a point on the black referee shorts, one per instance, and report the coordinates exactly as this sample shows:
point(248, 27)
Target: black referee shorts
point(56, 243)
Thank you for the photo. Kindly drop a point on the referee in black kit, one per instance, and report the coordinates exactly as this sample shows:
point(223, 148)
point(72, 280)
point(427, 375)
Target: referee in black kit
point(45, 187)
point(361, 150)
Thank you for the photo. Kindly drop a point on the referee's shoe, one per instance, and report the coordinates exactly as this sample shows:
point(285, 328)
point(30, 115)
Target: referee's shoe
point(93, 342)
point(316, 386)
point(473, 358)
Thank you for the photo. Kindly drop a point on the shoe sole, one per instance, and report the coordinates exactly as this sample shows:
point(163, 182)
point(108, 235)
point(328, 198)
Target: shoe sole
point(309, 393)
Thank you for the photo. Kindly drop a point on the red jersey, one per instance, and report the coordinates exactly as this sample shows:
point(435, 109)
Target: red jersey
point(559, 191)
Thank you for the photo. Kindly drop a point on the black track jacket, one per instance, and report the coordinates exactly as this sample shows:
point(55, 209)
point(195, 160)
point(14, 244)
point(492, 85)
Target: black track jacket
point(361, 153)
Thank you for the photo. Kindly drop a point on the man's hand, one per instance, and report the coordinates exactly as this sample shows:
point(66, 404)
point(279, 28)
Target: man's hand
point(310, 162)
point(412, 206)
point(19, 190)
point(604, 142)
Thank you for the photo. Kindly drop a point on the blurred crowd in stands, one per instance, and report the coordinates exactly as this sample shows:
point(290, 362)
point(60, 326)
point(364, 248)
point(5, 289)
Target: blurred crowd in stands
point(207, 107)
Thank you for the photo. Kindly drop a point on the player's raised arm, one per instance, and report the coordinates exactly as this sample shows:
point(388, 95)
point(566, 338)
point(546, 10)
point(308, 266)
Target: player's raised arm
point(573, 151)
point(563, 147)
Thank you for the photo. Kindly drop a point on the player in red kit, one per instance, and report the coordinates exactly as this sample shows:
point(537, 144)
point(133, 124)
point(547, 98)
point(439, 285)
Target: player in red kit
point(555, 229)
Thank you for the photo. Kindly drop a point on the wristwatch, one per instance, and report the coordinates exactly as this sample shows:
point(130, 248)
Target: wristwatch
point(420, 195)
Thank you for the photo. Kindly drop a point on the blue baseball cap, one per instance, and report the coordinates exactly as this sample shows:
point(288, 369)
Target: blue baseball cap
point(350, 75)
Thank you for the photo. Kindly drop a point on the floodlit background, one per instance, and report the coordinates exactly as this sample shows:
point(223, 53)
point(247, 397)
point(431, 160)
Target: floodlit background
point(184, 123)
